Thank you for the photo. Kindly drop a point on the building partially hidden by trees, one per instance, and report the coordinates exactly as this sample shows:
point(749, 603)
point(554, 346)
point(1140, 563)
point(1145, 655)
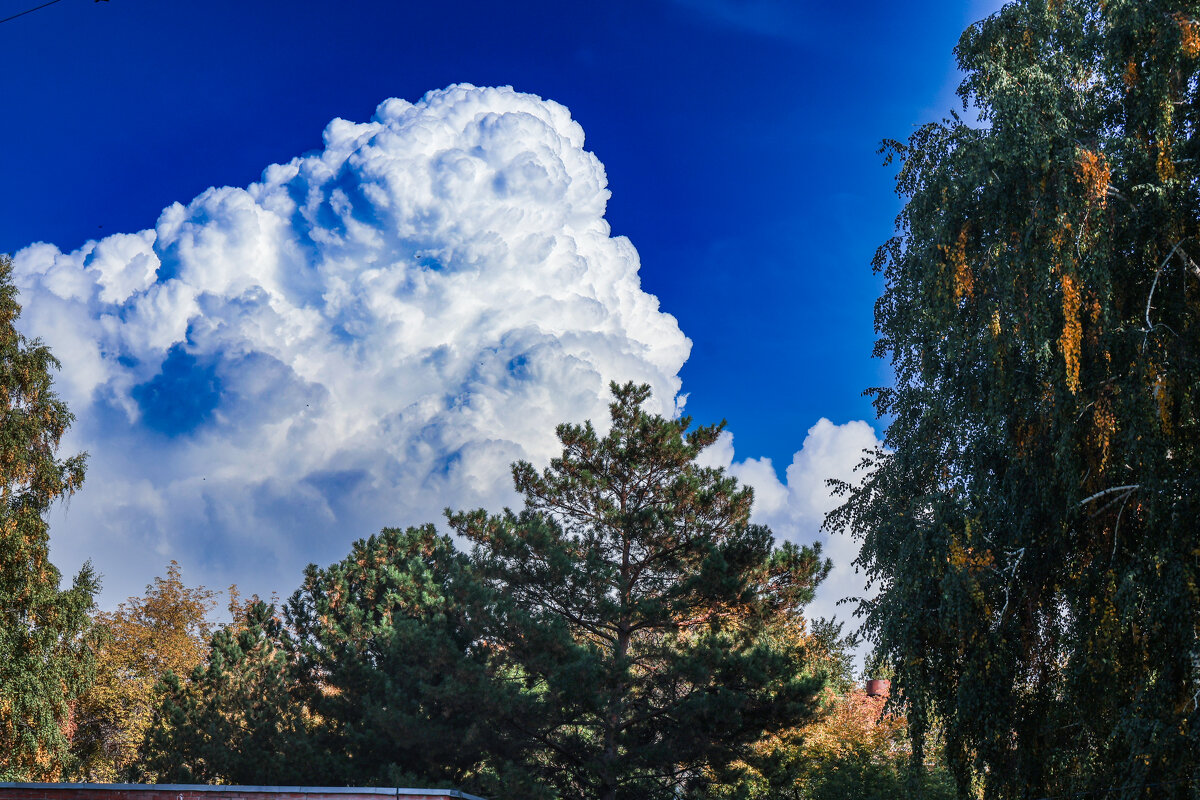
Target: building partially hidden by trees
point(1032, 526)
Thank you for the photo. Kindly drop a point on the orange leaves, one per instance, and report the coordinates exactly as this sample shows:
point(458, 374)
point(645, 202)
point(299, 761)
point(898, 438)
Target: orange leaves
point(966, 558)
point(1164, 164)
point(167, 629)
point(1062, 241)
point(1131, 74)
point(964, 278)
point(855, 723)
point(1072, 333)
point(1189, 35)
point(1104, 426)
point(69, 724)
point(1023, 437)
point(1163, 399)
point(1094, 173)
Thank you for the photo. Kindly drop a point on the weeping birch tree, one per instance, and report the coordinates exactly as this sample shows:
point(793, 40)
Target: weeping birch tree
point(1032, 525)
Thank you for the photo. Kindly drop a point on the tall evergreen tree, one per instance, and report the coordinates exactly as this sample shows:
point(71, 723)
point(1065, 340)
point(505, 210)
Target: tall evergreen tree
point(45, 657)
point(236, 718)
point(391, 665)
point(632, 598)
point(373, 677)
point(1033, 528)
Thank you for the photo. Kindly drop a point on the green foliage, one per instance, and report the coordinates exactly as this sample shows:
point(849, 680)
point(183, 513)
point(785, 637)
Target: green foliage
point(393, 669)
point(234, 719)
point(634, 599)
point(853, 748)
point(860, 776)
point(629, 634)
point(45, 639)
point(166, 630)
point(860, 750)
point(832, 653)
point(377, 678)
point(1032, 529)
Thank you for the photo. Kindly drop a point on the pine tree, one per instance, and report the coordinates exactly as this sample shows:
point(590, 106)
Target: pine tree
point(235, 719)
point(45, 657)
point(372, 677)
point(633, 596)
point(391, 666)
point(1033, 528)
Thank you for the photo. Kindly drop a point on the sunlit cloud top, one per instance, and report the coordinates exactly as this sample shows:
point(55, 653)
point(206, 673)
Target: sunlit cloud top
point(370, 333)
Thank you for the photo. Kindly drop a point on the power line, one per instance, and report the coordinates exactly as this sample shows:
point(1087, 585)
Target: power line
point(28, 11)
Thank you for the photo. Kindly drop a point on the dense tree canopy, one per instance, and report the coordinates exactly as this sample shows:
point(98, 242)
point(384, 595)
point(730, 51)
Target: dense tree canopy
point(634, 598)
point(390, 663)
point(235, 718)
point(1030, 525)
point(45, 655)
point(1033, 528)
point(371, 675)
point(629, 634)
point(167, 630)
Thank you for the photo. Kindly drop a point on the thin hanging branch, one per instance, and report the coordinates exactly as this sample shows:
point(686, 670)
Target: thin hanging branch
point(1153, 286)
point(1113, 490)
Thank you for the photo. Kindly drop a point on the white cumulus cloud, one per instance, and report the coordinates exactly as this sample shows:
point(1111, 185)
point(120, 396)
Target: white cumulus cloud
point(372, 332)
point(796, 507)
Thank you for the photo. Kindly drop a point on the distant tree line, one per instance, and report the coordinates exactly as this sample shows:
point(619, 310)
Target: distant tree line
point(628, 634)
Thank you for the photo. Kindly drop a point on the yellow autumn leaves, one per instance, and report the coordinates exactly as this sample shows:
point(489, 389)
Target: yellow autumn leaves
point(1094, 174)
point(966, 558)
point(1070, 341)
point(167, 629)
point(1189, 35)
point(964, 278)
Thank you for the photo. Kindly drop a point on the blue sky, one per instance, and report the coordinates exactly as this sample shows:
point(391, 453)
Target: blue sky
point(738, 142)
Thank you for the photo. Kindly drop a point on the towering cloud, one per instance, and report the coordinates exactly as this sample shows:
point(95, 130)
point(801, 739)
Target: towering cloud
point(372, 332)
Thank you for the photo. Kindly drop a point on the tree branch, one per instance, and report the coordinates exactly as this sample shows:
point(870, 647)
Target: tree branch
point(1153, 286)
point(1188, 263)
point(1104, 492)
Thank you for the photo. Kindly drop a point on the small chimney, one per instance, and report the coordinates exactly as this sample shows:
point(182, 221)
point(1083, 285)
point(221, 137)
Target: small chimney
point(878, 688)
